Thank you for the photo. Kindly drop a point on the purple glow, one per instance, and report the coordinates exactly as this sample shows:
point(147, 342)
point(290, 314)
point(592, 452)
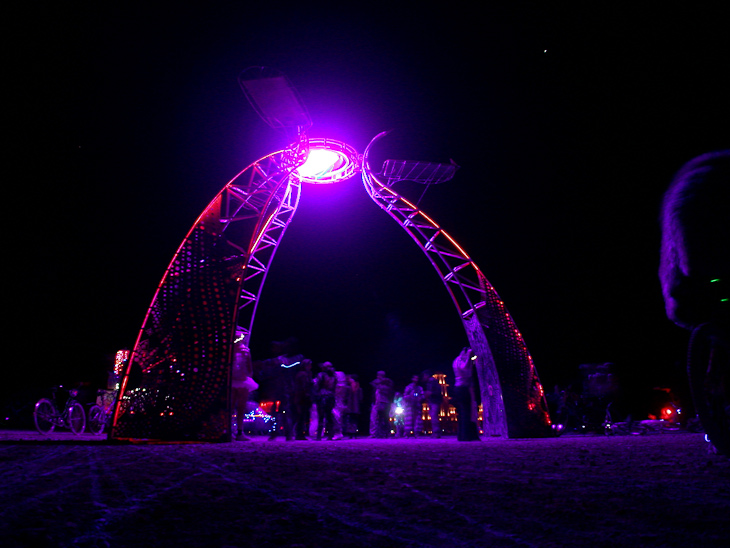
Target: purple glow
point(329, 161)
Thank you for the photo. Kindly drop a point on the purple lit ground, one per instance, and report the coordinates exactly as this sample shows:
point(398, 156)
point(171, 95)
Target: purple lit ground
point(660, 490)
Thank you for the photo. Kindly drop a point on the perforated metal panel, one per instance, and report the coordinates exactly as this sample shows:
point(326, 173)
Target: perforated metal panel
point(177, 384)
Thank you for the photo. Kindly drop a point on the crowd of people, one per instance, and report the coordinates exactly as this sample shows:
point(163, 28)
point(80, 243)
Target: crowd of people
point(327, 404)
point(304, 404)
point(401, 413)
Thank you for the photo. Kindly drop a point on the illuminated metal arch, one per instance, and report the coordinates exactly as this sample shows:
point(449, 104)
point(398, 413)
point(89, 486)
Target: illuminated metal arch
point(513, 399)
point(177, 382)
point(176, 386)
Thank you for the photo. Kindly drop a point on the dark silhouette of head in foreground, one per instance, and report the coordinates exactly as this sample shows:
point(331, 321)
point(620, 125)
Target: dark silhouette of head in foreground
point(695, 253)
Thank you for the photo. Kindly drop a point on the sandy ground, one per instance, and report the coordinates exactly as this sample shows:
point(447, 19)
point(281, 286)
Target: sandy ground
point(656, 490)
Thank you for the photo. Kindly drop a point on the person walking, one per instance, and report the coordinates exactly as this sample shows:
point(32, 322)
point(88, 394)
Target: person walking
point(435, 398)
point(413, 398)
point(324, 392)
point(382, 398)
point(342, 389)
point(354, 403)
point(281, 372)
point(241, 383)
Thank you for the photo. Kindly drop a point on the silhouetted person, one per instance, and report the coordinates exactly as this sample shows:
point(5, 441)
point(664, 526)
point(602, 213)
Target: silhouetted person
point(695, 253)
point(241, 383)
point(342, 390)
point(413, 398)
point(324, 394)
point(281, 371)
point(463, 386)
point(303, 385)
point(695, 278)
point(382, 398)
point(354, 404)
point(434, 397)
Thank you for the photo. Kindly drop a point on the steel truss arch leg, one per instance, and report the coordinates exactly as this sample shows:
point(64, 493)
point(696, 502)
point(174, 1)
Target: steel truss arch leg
point(513, 399)
point(177, 383)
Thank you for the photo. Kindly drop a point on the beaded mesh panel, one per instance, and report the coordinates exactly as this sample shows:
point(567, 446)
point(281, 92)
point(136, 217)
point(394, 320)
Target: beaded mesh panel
point(509, 364)
point(178, 387)
point(177, 383)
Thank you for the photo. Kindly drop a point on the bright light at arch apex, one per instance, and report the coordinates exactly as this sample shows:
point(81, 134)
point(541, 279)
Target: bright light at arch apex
point(319, 164)
point(329, 161)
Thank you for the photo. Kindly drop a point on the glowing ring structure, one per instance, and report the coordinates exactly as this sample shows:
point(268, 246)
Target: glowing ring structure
point(344, 163)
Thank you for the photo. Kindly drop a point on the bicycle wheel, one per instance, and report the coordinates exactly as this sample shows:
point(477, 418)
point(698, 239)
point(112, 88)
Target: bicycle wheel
point(44, 416)
point(76, 418)
point(97, 420)
point(708, 367)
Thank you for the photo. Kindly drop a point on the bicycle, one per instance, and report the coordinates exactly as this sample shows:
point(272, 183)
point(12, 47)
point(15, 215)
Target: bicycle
point(47, 415)
point(99, 414)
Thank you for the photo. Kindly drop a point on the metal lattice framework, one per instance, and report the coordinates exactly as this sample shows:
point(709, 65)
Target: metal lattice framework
point(513, 399)
point(177, 383)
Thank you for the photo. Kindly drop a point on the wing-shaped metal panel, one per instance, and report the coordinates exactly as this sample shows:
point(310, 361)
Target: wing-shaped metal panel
point(426, 173)
point(176, 386)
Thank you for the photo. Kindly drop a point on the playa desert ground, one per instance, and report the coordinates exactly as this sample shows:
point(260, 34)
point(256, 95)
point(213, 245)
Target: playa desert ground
point(649, 491)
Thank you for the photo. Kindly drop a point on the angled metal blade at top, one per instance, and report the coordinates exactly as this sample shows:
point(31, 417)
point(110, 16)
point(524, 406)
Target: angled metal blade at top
point(426, 173)
point(274, 98)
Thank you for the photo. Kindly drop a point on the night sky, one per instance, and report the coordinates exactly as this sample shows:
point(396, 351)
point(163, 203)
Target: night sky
point(568, 125)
